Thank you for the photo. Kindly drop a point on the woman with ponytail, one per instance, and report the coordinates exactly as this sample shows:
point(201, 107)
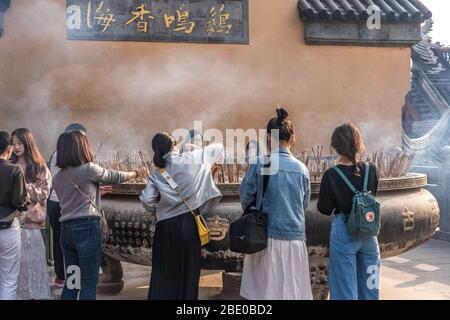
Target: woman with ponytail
point(354, 265)
point(281, 271)
point(176, 244)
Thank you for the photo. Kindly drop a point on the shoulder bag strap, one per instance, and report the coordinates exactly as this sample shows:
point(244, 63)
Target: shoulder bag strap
point(265, 184)
point(366, 177)
point(79, 190)
point(350, 185)
point(49, 165)
point(175, 187)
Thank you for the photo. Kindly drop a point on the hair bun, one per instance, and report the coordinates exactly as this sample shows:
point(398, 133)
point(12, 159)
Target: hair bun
point(282, 114)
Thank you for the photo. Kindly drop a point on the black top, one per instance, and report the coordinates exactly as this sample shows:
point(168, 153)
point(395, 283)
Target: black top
point(335, 196)
point(13, 193)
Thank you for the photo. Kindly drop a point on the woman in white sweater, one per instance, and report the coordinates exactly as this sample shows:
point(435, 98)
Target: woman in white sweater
point(176, 244)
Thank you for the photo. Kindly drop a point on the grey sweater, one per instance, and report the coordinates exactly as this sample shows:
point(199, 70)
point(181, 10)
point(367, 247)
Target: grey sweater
point(88, 176)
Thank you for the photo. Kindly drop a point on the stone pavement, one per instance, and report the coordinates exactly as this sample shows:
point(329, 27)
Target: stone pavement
point(420, 274)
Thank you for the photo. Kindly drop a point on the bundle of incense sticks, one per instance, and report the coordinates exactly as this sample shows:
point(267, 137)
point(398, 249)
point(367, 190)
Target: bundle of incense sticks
point(228, 173)
point(391, 163)
point(126, 161)
point(316, 172)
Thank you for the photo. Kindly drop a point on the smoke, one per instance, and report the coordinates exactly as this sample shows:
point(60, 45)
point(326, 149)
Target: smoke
point(122, 94)
point(125, 92)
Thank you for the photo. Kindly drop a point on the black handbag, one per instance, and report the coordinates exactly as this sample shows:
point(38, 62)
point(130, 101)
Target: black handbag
point(248, 234)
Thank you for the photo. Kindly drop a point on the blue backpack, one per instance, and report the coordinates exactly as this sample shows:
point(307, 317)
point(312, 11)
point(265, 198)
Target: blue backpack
point(363, 222)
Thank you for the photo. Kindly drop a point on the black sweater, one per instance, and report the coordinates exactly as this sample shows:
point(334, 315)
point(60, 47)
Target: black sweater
point(335, 196)
point(13, 193)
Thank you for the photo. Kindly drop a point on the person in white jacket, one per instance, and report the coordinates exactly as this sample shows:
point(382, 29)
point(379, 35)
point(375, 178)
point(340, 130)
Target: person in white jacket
point(176, 244)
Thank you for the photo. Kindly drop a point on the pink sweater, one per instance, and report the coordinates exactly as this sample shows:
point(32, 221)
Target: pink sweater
point(38, 193)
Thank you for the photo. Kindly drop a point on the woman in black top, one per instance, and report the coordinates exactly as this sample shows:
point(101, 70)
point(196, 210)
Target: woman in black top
point(13, 198)
point(354, 265)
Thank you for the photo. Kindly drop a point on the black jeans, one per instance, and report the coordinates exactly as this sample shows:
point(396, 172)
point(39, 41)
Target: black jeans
point(54, 213)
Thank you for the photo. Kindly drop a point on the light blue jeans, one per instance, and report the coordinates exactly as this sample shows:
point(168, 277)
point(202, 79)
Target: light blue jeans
point(354, 265)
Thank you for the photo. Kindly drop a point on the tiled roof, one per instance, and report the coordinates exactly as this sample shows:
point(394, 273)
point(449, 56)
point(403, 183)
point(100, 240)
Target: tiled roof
point(4, 4)
point(391, 10)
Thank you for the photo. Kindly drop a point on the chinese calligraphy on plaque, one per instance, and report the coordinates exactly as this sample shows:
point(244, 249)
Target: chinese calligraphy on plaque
point(211, 21)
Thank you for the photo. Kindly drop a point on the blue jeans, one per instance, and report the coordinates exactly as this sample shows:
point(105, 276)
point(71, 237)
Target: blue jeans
point(81, 246)
point(354, 265)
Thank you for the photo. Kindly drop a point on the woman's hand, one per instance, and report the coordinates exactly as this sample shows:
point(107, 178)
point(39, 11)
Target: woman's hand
point(29, 187)
point(22, 217)
point(142, 173)
point(104, 190)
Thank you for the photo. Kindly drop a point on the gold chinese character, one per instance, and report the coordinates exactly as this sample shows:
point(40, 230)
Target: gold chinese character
point(222, 25)
point(142, 26)
point(183, 24)
point(140, 13)
point(103, 17)
point(223, 20)
point(105, 20)
point(212, 21)
point(88, 16)
point(168, 20)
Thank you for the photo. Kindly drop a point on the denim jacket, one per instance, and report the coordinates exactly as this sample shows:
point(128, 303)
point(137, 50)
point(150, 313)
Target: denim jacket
point(287, 195)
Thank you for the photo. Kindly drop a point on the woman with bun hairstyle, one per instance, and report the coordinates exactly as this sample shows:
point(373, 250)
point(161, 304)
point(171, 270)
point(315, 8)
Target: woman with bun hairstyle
point(176, 244)
point(354, 265)
point(281, 271)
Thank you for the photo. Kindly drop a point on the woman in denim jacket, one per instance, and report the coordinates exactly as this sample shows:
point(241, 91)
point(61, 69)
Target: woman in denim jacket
point(281, 271)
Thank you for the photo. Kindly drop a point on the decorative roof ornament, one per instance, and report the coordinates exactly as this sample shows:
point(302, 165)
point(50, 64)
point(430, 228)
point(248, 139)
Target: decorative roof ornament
point(427, 27)
point(426, 50)
point(430, 96)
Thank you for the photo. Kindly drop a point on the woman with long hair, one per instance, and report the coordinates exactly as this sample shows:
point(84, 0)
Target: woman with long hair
point(33, 277)
point(176, 244)
point(354, 264)
point(77, 186)
point(281, 271)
